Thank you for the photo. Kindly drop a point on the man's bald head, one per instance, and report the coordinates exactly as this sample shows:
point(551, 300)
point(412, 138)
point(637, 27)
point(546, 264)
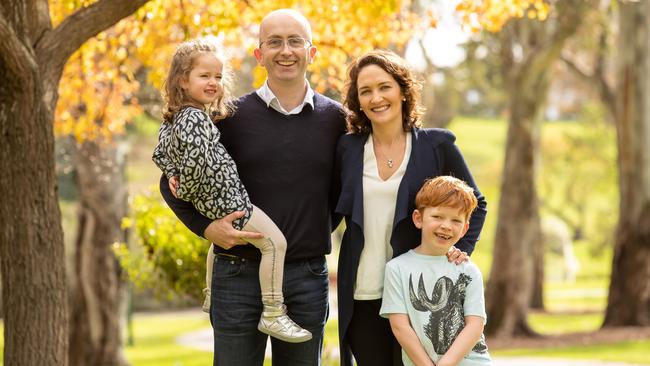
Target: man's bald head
point(284, 15)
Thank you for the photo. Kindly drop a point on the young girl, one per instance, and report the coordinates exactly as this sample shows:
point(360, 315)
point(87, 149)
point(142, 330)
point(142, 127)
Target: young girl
point(201, 171)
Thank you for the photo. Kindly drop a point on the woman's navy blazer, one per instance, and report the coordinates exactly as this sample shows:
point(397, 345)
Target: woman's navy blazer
point(433, 153)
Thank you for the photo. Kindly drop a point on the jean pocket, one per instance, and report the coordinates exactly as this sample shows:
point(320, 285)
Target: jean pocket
point(224, 268)
point(317, 267)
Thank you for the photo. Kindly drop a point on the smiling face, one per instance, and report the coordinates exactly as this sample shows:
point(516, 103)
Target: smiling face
point(442, 227)
point(380, 96)
point(203, 84)
point(286, 64)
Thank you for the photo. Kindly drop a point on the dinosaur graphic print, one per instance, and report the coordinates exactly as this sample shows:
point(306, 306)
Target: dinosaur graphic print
point(445, 307)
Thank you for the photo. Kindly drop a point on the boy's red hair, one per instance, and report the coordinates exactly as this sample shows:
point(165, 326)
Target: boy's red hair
point(446, 191)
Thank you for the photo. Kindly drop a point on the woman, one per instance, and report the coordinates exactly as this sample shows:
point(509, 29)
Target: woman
point(383, 161)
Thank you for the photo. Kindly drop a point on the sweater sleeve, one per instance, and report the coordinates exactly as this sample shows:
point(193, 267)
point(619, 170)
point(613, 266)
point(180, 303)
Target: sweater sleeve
point(184, 210)
point(159, 157)
point(454, 164)
point(193, 136)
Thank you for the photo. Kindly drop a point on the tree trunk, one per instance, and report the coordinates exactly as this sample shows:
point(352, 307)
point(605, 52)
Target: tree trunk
point(537, 292)
point(518, 231)
point(32, 56)
point(99, 295)
point(529, 49)
point(629, 292)
point(31, 247)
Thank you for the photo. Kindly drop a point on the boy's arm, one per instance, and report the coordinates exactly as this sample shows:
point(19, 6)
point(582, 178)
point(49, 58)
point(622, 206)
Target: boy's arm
point(465, 341)
point(409, 341)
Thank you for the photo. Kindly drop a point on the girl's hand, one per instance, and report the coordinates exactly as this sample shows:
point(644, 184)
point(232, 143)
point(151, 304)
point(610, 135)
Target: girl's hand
point(174, 183)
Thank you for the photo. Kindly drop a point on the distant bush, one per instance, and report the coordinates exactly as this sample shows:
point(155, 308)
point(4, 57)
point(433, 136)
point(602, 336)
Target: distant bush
point(166, 258)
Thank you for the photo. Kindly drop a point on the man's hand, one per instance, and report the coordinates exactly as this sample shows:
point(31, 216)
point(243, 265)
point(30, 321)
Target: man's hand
point(457, 256)
point(174, 183)
point(221, 232)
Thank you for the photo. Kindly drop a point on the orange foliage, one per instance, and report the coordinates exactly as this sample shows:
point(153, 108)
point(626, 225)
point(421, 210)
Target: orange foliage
point(96, 91)
point(492, 15)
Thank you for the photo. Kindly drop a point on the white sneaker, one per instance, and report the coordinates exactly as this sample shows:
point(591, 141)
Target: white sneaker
point(276, 323)
point(206, 301)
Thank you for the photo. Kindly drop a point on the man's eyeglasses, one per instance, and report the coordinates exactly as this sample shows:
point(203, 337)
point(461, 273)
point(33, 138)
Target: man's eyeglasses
point(295, 43)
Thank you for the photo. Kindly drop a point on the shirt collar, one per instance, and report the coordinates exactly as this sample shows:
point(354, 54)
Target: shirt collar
point(272, 101)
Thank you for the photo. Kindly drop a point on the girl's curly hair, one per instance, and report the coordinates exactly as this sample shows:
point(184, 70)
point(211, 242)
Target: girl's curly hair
point(182, 62)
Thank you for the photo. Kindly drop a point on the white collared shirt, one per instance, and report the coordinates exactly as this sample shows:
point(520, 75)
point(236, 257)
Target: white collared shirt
point(272, 101)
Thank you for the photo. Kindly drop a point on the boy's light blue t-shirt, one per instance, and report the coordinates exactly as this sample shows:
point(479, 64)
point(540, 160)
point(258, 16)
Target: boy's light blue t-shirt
point(436, 295)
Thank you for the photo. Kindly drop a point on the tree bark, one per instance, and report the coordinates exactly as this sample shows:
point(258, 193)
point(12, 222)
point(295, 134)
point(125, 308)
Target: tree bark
point(31, 247)
point(99, 295)
point(32, 55)
point(537, 292)
point(529, 49)
point(518, 228)
point(629, 292)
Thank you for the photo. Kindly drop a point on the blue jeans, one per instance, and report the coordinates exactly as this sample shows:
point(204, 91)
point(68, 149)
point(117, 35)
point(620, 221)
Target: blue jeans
point(236, 307)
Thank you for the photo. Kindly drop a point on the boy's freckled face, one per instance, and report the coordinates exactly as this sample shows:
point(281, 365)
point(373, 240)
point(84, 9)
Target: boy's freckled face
point(441, 226)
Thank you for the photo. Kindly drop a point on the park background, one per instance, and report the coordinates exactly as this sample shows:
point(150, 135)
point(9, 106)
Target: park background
point(549, 101)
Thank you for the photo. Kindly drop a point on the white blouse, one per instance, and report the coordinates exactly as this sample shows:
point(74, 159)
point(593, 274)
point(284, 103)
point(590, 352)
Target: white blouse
point(379, 198)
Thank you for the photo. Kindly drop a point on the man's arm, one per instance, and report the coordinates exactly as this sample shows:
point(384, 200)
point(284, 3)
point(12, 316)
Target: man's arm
point(184, 210)
point(466, 339)
point(409, 341)
point(220, 231)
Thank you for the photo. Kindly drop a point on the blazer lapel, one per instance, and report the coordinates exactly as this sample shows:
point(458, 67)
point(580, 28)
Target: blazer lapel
point(351, 200)
point(410, 182)
point(357, 179)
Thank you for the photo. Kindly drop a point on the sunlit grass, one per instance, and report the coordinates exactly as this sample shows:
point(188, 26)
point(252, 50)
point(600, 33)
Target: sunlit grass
point(562, 323)
point(631, 352)
point(155, 340)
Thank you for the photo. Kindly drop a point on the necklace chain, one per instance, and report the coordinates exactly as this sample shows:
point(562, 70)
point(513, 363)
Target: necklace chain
point(389, 162)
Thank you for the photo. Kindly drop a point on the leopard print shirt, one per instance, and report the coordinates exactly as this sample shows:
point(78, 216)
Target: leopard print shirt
point(189, 148)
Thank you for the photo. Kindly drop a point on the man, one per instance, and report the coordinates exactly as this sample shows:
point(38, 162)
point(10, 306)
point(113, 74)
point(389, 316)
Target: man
point(283, 138)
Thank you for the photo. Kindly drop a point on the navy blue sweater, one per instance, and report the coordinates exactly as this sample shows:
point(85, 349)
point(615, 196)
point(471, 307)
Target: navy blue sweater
point(286, 163)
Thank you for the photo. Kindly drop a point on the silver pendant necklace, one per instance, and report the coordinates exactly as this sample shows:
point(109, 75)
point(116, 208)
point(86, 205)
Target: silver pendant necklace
point(389, 162)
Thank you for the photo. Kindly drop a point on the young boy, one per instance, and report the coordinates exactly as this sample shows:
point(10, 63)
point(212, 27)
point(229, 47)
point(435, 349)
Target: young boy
point(438, 320)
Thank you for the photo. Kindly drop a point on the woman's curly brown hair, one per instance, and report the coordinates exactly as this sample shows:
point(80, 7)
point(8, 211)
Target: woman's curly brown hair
point(357, 121)
point(182, 62)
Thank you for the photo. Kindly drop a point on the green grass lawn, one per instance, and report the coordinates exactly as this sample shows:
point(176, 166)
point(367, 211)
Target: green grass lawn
point(630, 352)
point(155, 334)
point(154, 339)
